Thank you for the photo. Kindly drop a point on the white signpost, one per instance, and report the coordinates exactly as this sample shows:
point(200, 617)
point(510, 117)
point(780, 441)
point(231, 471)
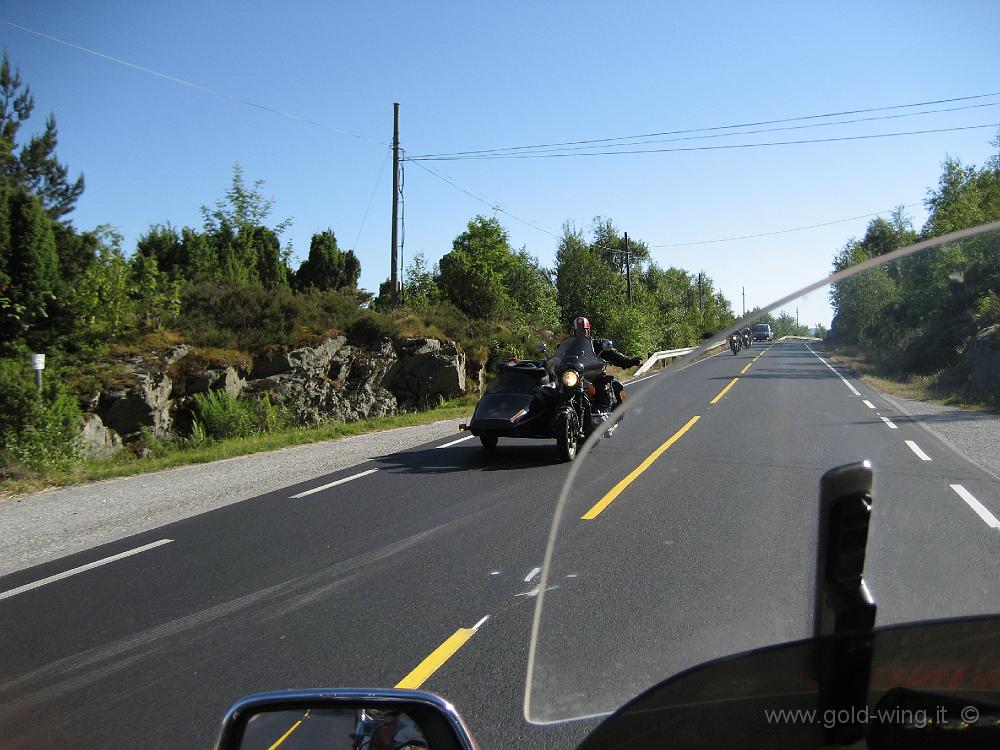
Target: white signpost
point(38, 364)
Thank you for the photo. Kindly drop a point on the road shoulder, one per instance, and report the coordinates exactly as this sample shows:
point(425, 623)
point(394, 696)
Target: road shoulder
point(973, 435)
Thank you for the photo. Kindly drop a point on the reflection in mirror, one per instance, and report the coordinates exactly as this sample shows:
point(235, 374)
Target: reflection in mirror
point(332, 729)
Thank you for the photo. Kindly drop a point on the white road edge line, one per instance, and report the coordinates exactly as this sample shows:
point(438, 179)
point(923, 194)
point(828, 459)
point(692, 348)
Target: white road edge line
point(888, 422)
point(534, 572)
point(633, 382)
point(455, 442)
point(334, 484)
point(480, 623)
point(851, 387)
point(82, 568)
point(869, 404)
point(977, 506)
point(916, 449)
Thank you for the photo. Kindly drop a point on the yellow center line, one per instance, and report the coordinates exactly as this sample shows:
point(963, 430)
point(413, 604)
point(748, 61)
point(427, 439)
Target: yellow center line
point(437, 657)
point(743, 371)
point(284, 737)
point(615, 491)
point(724, 391)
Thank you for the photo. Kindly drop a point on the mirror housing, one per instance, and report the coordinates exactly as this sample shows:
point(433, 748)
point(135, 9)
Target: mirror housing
point(607, 344)
point(542, 347)
point(436, 718)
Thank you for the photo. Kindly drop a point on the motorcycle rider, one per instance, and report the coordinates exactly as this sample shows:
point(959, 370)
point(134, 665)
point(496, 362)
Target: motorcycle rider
point(581, 327)
point(392, 731)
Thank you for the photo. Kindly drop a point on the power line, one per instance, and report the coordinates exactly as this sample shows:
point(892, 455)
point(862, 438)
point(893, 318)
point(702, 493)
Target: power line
point(488, 157)
point(784, 231)
point(481, 198)
point(497, 208)
point(192, 85)
point(716, 127)
point(371, 198)
point(764, 130)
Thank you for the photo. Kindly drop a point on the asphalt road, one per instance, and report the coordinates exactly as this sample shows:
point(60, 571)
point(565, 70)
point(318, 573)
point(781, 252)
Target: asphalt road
point(708, 550)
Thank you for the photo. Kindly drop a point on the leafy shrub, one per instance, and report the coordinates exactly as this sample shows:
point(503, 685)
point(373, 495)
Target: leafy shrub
point(252, 318)
point(41, 429)
point(220, 415)
point(370, 328)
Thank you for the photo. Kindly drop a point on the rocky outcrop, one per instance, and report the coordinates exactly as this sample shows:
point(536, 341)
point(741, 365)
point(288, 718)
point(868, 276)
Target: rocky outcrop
point(147, 404)
point(309, 359)
point(331, 381)
point(427, 370)
point(224, 379)
point(981, 361)
point(97, 440)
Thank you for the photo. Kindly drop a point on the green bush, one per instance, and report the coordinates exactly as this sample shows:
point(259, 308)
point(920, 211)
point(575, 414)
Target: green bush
point(252, 318)
point(370, 328)
point(41, 429)
point(220, 415)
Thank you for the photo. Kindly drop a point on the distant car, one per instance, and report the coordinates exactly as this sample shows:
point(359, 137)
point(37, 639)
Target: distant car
point(763, 332)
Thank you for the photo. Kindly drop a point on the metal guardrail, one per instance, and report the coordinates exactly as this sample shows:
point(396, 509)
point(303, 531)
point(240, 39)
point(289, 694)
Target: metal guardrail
point(669, 354)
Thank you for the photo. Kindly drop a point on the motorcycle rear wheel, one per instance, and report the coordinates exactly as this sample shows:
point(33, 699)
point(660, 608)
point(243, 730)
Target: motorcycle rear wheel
point(566, 437)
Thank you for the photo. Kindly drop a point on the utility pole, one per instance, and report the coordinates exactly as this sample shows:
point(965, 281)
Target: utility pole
point(744, 301)
point(394, 276)
point(628, 269)
point(701, 296)
point(796, 317)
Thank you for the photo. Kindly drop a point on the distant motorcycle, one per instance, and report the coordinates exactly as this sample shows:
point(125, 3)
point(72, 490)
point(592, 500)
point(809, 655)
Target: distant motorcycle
point(736, 343)
point(747, 338)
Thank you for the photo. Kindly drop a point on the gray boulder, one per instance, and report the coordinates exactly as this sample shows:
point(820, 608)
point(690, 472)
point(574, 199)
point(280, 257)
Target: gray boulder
point(147, 404)
point(310, 358)
point(176, 353)
point(97, 440)
point(335, 382)
point(228, 380)
point(427, 369)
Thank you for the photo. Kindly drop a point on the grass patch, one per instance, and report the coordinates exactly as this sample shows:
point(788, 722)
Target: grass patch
point(870, 369)
point(172, 455)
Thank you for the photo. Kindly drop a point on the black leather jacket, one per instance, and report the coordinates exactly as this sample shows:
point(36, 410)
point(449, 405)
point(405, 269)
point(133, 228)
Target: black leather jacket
point(617, 358)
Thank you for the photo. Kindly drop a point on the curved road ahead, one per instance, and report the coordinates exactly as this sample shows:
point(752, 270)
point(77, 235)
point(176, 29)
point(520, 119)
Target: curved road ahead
point(421, 568)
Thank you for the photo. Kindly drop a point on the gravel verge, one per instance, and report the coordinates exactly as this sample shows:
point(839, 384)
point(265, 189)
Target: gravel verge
point(48, 525)
point(974, 435)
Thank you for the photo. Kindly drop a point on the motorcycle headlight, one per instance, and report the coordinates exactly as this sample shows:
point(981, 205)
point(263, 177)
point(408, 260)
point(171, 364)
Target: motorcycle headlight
point(570, 378)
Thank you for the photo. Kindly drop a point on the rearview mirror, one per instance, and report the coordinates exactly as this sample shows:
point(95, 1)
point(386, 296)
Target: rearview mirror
point(409, 719)
point(607, 343)
point(542, 347)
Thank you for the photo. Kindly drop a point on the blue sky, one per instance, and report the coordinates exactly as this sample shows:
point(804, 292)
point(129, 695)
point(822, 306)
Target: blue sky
point(477, 75)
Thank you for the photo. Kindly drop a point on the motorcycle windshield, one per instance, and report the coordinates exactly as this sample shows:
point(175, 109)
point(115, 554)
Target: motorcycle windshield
point(691, 533)
point(576, 346)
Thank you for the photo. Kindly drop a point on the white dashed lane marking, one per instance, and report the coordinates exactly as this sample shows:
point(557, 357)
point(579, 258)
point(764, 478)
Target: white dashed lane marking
point(916, 449)
point(322, 487)
point(977, 506)
point(83, 568)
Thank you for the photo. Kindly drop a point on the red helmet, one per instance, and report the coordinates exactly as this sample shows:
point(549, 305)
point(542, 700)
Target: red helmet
point(581, 327)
